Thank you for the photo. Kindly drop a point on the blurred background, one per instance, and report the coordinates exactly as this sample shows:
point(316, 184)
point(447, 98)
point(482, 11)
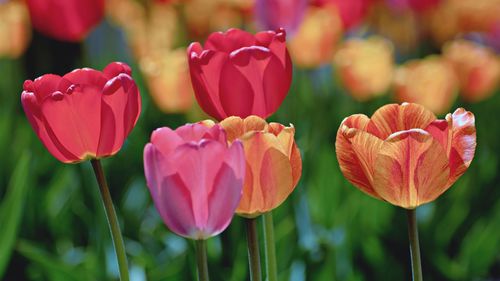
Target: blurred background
point(349, 57)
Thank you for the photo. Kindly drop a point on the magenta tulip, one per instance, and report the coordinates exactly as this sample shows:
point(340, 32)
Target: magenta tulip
point(195, 178)
point(274, 14)
point(85, 114)
point(237, 73)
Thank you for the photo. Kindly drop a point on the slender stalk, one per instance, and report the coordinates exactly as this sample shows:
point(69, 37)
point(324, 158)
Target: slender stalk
point(201, 260)
point(416, 265)
point(269, 247)
point(114, 227)
point(253, 250)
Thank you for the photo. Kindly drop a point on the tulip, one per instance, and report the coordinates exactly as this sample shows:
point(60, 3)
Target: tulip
point(280, 13)
point(403, 154)
point(365, 66)
point(273, 162)
point(15, 31)
point(85, 114)
point(352, 12)
point(314, 43)
point(66, 20)
point(167, 77)
point(237, 73)
point(430, 82)
point(477, 69)
point(195, 178)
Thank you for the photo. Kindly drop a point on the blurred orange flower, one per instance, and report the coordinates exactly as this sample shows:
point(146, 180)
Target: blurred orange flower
point(430, 82)
point(274, 164)
point(403, 154)
point(477, 68)
point(366, 66)
point(315, 41)
point(15, 30)
point(167, 77)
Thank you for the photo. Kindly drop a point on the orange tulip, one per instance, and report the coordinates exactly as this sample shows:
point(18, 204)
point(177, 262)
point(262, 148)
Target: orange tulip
point(366, 67)
point(477, 68)
point(430, 82)
point(15, 31)
point(273, 162)
point(403, 154)
point(167, 77)
point(315, 41)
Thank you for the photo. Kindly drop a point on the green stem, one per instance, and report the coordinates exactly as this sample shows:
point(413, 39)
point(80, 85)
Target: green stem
point(253, 250)
point(416, 265)
point(269, 247)
point(201, 260)
point(114, 227)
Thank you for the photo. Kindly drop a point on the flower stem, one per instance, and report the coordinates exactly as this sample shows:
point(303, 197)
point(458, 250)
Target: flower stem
point(253, 250)
point(416, 265)
point(269, 247)
point(201, 260)
point(116, 234)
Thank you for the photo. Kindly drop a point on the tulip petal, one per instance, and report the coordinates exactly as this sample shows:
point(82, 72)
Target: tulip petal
point(286, 137)
point(176, 206)
point(120, 110)
point(43, 86)
point(72, 119)
point(32, 110)
point(86, 77)
point(254, 123)
point(276, 83)
point(268, 180)
point(234, 128)
point(223, 200)
point(238, 102)
point(463, 143)
point(393, 118)
point(357, 151)
point(194, 132)
point(198, 164)
point(115, 68)
point(229, 41)
point(411, 169)
point(205, 70)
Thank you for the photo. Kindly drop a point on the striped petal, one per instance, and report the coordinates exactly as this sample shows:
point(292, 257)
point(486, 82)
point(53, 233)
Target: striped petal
point(393, 118)
point(357, 151)
point(411, 169)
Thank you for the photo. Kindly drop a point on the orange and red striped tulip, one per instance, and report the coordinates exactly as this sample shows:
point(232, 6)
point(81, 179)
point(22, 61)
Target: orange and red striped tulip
point(274, 164)
point(477, 69)
point(403, 154)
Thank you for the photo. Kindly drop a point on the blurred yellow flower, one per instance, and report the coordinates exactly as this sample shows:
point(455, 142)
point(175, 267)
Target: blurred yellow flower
point(477, 68)
point(167, 77)
point(15, 30)
point(366, 67)
point(315, 41)
point(430, 82)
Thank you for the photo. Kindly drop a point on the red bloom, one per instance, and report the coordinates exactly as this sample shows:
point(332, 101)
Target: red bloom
point(66, 20)
point(237, 73)
point(84, 114)
point(352, 12)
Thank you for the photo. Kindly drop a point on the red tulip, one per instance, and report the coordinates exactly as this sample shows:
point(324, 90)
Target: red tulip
point(237, 73)
point(195, 178)
point(403, 154)
point(85, 113)
point(352, 12)
point(66, 20)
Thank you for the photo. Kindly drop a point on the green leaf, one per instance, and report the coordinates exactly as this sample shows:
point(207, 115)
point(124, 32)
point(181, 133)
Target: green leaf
point(11, 210)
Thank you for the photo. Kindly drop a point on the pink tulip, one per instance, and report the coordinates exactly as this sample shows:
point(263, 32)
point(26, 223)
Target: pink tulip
point(195, 178)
